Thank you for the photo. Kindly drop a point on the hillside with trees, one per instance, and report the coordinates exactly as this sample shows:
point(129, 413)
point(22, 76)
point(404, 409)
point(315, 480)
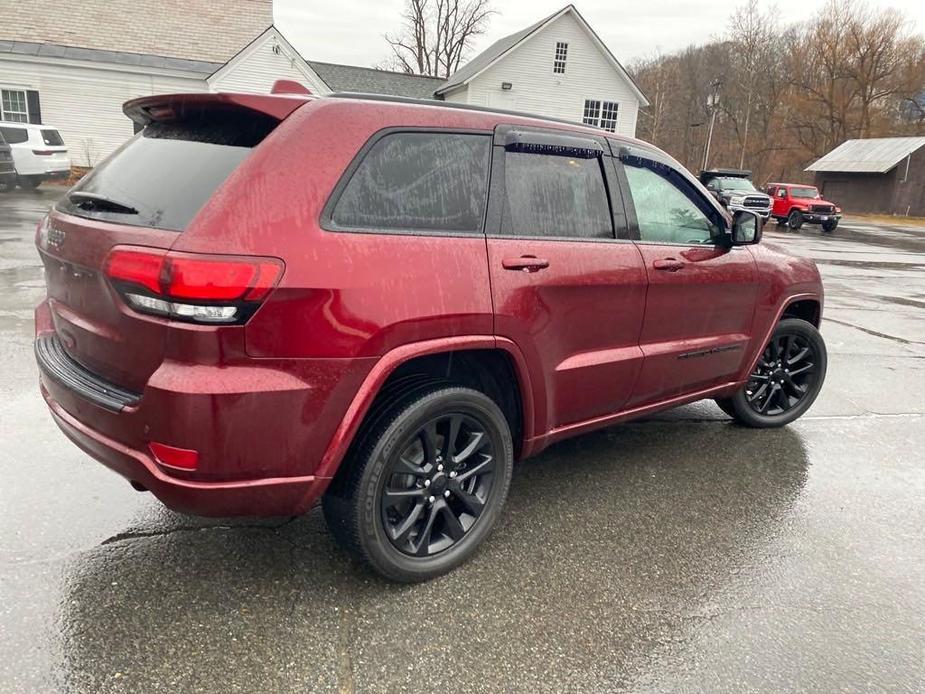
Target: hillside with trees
point(785, 94)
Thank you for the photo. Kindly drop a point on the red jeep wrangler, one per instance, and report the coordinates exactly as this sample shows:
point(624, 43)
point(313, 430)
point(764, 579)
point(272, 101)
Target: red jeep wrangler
point(796, 205)
point(263, 300)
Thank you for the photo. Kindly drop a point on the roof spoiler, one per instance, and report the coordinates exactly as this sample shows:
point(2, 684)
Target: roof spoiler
point(168, 107)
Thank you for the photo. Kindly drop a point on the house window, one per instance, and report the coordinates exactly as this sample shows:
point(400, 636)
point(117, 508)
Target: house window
point(601, 114)
point(13, 106)
point(558, 65)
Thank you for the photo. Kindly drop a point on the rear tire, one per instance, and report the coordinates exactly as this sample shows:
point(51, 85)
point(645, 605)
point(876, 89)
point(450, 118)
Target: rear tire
point(781, 221)
point(7, 183)
point(425, 485)
point(788, 377)
point(795, 220)
point(29, 182)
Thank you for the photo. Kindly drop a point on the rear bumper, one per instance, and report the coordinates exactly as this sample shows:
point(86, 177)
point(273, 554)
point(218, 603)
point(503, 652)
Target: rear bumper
point(259, 497)
point(261, 427)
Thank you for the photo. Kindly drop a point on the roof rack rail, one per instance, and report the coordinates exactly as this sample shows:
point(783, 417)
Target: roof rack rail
point(450, 104)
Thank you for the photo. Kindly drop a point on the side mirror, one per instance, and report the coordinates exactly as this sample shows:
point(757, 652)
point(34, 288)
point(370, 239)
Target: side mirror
point(746, 228)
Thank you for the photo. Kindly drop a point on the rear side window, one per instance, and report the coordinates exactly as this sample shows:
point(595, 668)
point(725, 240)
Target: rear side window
point(168, 171)
point(556, 196)
point(415, 181)
point(13, 135)
point(52, 138)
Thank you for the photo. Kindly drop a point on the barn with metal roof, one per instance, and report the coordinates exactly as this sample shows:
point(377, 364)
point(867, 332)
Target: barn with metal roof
point(884, 175)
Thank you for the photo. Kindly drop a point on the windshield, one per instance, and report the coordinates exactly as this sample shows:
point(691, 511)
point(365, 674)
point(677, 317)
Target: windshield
point(804, 193)
point(167, 172)
point(731, 183)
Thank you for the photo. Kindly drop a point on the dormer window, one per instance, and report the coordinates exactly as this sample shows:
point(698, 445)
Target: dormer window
point(558, 65)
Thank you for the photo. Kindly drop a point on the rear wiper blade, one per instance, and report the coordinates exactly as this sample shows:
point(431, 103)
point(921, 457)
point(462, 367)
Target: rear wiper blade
point(101, 202)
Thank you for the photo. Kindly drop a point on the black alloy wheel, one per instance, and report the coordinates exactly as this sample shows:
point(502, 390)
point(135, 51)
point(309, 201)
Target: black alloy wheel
point(786, 379)
point(795, 220)
point(425, 484)
point(437, 484)
point(784, 375)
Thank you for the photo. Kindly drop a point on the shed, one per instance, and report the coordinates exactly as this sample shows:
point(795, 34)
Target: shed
point(883, 175)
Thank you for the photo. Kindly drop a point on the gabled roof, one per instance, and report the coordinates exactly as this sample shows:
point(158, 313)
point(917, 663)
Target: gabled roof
point(503, 46)
point(195, 68)
point(349, 78)
point(875, 155)
point(299, 63)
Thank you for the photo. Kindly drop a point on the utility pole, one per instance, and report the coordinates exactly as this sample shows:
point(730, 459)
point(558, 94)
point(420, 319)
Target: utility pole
point(712, 102)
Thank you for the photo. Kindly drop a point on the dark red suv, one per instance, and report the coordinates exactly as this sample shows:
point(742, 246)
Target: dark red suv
point(262, 300)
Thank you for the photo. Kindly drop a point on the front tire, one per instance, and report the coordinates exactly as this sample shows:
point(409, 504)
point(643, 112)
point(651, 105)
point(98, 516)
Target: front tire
point(787, 378)
point(425, 486)
point(830, 226)
point(795, 220)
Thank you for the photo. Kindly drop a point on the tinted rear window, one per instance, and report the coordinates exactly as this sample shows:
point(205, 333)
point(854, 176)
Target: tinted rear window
point(13, 135)
point(418, 182)
point(168, 171)
point(52, 138)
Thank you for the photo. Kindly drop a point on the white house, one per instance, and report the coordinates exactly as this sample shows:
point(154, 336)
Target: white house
point(73, 63)
point(557, 67)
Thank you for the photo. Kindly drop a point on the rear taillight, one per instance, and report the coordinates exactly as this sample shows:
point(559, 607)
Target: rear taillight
point(192, 287)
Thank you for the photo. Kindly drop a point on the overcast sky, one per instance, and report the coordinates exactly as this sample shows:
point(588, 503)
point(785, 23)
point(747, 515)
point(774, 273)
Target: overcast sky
point(351, 31)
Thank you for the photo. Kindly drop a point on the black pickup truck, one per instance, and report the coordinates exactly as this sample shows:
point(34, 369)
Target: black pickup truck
point(735, 191)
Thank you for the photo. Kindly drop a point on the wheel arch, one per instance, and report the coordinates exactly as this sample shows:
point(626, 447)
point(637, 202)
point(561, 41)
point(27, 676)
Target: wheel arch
point(802, 306)
point(474, 361)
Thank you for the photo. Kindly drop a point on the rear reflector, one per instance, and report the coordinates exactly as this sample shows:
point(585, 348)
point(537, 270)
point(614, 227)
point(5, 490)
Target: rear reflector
point(44, 152)
point(197, 288)
point(171, 456)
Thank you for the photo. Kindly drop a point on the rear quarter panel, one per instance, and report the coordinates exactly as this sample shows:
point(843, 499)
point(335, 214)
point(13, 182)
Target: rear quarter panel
point(342, 294)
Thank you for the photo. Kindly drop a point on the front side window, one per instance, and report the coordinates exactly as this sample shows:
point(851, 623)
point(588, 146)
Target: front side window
point(418, 181)
point(555, 196)
point(665, 208)
point(13, 106)
point(558, 65)
point(600, 114)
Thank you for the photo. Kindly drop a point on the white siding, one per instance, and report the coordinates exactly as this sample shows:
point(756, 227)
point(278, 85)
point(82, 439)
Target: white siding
point(258, 66)
point(589, 74)
point(84, 102)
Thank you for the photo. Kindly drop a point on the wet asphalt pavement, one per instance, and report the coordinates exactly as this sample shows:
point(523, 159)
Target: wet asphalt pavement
point(682, 553)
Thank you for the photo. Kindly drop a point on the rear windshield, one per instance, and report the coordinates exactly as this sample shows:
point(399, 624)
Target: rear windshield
point(14, 135)
point(164, 175)
point(52, 138)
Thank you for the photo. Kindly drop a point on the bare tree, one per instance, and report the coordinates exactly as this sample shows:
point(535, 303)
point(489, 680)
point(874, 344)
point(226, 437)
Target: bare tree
point(436, 35)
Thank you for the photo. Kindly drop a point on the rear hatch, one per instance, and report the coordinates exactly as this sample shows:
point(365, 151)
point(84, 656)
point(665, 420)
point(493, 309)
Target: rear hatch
point(145, 195)
point(51, 150)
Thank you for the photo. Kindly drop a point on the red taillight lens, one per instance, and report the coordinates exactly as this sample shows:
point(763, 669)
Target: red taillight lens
point(171, 456)
point(208, 289)
point(220, 280)
point(137, 267)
